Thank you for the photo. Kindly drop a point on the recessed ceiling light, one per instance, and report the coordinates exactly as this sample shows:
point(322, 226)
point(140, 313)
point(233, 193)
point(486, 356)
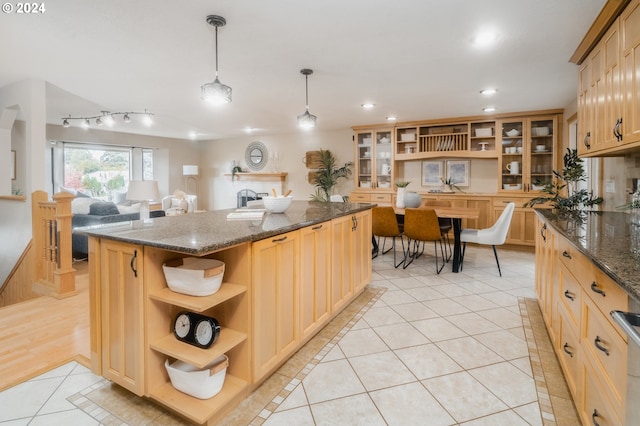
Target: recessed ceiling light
point(193, 135)
point(250, 129)
point(489, 109)
point(392, 118)
point(368, 105)
point(488, 92)
point(485, 38)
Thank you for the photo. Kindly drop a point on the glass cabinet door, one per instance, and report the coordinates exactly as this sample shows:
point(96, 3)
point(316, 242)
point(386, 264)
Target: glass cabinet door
point(384, 160)
point(541, 153)
point(364, 158)
point(512, 159)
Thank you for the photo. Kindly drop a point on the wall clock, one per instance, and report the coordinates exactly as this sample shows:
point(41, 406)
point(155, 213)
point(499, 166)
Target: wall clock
point(196, 329)
point(256, 156)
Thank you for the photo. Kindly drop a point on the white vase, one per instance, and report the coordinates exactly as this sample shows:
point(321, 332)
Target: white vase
point(400, 198)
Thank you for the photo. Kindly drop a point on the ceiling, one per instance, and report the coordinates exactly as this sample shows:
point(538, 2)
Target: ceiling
point(414, 59)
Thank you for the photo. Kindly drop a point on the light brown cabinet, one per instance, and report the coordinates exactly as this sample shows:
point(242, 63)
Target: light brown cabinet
point(575, 301)
point(608, 99)
point(374, 158)
point(276, 284)
point(526, 160)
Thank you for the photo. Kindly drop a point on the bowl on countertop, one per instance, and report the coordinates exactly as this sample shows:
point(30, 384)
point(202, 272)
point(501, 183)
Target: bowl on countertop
point(277, 204)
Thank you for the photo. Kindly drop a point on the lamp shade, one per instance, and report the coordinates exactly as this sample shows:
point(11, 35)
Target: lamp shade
point(189, 170)
point(143, 190)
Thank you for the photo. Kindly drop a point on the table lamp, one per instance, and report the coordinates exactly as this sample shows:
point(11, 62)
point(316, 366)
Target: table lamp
point(143, 191)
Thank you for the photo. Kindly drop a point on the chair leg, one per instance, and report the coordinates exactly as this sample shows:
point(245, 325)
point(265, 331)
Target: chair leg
point(395, 263)
point(435, 249)
point(383, 244)
point(407, 255)
point(374, 249)
point(448, 254)
point(495, 253)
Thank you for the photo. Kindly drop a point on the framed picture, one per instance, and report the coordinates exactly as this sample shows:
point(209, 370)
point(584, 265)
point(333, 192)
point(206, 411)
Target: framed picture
point(432, 172)
point(458, 172)
point(13, 164)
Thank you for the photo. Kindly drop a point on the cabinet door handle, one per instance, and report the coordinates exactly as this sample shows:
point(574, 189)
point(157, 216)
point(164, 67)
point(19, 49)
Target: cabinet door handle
point(593, 417)
point(587, 140)
point(133, 259)
point(566, 254)
point(596, 342)
point(616, 130)
point(543, 232)
point(566, 349)
point(315, 228)
point(279, 240)
point(596, 289)
point(569, 295)
point(354, 220)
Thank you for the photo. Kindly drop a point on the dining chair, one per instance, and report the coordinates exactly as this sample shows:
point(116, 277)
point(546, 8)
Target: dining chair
point(446, 224)
point(493, 236)
point(385, 225)
point(421, 225)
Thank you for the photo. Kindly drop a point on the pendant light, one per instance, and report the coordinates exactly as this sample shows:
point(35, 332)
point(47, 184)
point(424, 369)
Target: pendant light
point(306, 120)
point(216, 92)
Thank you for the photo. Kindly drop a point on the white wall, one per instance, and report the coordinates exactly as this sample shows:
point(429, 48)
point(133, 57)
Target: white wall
point(218, 192)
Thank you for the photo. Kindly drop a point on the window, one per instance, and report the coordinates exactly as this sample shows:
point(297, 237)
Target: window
point(102, 172)
point(147, 164)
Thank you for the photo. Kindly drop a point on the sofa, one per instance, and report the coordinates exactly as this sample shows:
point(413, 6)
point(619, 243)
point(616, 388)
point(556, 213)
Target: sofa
point(90, 211)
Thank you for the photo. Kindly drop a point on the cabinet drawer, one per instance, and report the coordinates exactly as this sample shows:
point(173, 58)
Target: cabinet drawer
point(607, 351)
point(608, 296)
point(570, 293)
point(568, 347)
point(595, 407)
point(383, 198)
point(575, 262)
point(358, 196)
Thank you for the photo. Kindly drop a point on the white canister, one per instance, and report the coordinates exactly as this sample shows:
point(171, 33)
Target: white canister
point(513, 167)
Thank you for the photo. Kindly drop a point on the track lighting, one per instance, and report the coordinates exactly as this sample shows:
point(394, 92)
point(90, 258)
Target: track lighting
point(307, 120)
point(108, 118)
point(216, 92)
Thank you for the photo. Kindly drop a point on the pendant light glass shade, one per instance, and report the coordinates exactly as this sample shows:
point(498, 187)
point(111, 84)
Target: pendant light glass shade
point(307, 120)
point(216, 92)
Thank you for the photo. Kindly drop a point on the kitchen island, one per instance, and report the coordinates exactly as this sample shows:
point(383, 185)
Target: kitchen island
point(586, 268)
point(286, 276)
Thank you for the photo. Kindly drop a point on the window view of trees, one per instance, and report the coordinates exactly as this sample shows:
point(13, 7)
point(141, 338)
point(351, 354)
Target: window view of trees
point(102, 173)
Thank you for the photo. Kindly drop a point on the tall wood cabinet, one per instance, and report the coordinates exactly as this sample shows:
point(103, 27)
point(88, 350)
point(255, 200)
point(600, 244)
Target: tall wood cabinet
point(608, 95)
point(374, 158)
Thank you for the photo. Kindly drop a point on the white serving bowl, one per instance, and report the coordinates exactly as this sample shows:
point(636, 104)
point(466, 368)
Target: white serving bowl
point(540, 148)
point(193, 275)
point(513, 132)
point(511, 186)
point(537, 187)
point(540, 131)
point(384, 185)
point(277, 204)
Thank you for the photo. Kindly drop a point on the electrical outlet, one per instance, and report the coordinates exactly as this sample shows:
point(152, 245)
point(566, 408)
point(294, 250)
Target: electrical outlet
point(610, 186)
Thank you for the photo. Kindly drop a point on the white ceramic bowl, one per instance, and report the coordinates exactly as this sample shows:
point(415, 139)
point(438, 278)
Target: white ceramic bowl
point(277, 204)
point(194, 276)
point(537, 187)
point(484, 133)
point(511, 186)
point(513, 132)
point(540, 131)
point(384, 185)
point(540, 148)
point(385, 140)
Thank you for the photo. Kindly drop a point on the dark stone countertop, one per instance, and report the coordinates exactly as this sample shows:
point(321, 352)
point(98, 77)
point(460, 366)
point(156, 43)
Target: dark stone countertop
point(606, 238)
point(202, 233)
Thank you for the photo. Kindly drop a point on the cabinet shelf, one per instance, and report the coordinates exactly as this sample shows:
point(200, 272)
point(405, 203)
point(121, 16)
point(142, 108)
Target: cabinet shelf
point(200, 410)
point(195, 356)
point(199, 303)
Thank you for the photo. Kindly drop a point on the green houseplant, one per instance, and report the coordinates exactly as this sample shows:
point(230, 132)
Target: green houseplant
point(328, 175)
point(563, 193)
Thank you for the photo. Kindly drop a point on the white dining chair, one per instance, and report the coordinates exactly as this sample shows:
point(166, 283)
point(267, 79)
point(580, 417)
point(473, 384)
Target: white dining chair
point(493, 236)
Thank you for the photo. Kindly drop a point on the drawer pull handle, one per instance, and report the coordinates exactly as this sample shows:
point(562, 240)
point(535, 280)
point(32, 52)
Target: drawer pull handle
point(279, 240)
point(569, 295)
point(133, 259)
point(315, 228)
point(599, 346)
point(543, 232)
point(566, 349)
point(566, 254)
point(596, 289)
point(593, 417)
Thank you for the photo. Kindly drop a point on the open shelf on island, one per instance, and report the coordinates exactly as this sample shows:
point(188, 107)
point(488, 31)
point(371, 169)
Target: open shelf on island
point(199, 303)
point(194, 355)
point(200, 410)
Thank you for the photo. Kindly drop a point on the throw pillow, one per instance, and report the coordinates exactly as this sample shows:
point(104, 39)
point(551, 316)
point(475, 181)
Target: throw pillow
point(103, 208)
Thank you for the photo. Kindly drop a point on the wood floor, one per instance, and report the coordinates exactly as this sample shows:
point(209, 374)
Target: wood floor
point(44, 333)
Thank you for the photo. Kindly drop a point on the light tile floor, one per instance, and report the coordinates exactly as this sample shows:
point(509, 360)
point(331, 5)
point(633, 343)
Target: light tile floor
point(446, 349)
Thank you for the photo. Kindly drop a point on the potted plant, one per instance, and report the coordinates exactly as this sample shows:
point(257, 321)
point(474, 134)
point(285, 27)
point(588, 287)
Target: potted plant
point(563, 193)
point(328, 175)
point(402, 189)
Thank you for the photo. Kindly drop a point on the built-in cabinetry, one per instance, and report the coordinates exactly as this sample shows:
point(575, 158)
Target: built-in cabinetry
point(608, 99)
point(276, 294)
point(374, 158)
point(526, 159)
point(576, 298)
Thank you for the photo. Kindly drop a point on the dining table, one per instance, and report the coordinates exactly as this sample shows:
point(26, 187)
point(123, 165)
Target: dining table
point(456, 214)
